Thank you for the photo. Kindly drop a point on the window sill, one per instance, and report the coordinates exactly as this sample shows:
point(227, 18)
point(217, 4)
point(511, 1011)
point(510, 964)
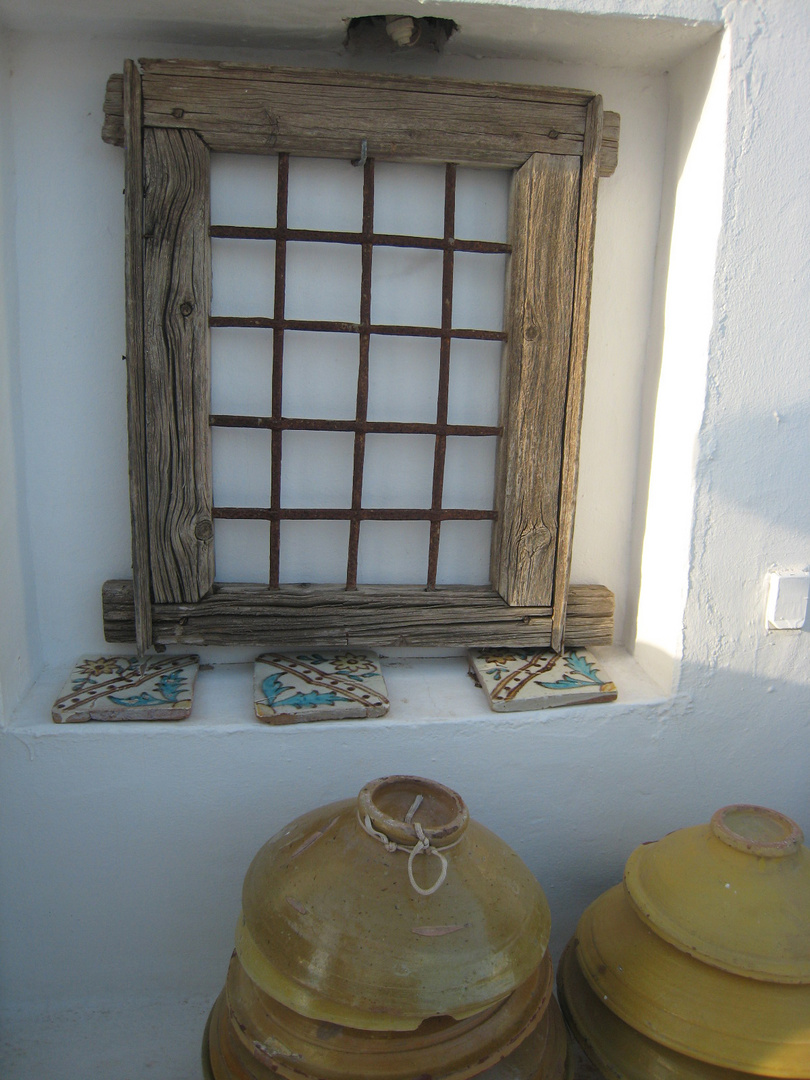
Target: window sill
point(423, 690)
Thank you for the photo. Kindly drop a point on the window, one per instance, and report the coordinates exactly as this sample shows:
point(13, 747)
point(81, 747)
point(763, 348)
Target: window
point(170, 116)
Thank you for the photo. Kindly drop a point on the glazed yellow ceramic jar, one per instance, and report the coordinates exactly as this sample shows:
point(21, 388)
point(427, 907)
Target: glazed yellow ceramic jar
point(382, 911)
point(542, 1056)
point(693, 1008)
point(299, 1048)
point(735, 893)
point(618, 1050)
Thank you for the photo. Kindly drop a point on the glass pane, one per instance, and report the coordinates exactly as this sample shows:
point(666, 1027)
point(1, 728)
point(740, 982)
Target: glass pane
point(469, 472)
point(240, 460)
point(398, 471)
point(478, 291)
point(406, 287)
point(403, 381)
point(242, 550)
point(243, 277)
point(475, 375)
point(243, 189)
point(482, 204)
point(393, 552)
point(325, 194)
point(464, 553)
point(316, 469)
point(241, 371)
point(320, 375)
point(409, 199)
point(323, 282)
point(314, 551)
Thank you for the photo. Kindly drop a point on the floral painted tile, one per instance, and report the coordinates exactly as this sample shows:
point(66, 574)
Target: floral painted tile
point(515, 679)
point(126, 688)
point(292, 688)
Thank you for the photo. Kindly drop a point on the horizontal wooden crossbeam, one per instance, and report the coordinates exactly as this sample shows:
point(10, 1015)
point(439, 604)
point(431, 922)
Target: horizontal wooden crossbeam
point(371, 616)
point(243, 108)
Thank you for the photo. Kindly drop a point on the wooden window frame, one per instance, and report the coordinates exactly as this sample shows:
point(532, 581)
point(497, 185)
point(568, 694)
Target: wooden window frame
point(169, 115)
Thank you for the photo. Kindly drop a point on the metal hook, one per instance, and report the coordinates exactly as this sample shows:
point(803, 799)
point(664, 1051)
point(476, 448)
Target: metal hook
point(359, 162)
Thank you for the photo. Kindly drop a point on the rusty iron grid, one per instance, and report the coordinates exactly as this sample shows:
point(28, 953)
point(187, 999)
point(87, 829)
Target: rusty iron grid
point(360, 426)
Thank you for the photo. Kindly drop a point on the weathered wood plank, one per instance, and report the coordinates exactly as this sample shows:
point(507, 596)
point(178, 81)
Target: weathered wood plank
point(543, 218)
point(225, 69)
point(609, 154)
point(308, 616)
point(177, 301)
point(112, 130)
point(586, 230)
point(136, 404)
point(311, 120)
point(240, 108)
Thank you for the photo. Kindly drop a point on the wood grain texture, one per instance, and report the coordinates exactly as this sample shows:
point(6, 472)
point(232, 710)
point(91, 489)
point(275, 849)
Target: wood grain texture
point(320, 616)
point(112, 130)
point(538, 315)
point(177, 301)
point(136, 403)
point(239, 108)
point(586, 231)
point(609, 153)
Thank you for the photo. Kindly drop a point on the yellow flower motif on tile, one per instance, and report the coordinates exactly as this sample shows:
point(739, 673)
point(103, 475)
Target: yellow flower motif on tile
point(499, 656)
point(350, 662)
point(102, 665)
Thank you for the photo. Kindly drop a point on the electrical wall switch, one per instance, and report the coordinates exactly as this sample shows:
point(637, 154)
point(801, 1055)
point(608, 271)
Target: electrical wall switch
point(787, 599)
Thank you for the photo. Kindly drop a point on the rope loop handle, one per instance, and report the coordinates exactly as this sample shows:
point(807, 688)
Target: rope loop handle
point(421, 847)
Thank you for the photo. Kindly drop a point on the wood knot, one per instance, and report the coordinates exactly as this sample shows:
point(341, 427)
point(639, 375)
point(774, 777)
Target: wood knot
point(186, 309)
point(554, 134)
point(178, 113)
point(532, 333)
point(204, 529)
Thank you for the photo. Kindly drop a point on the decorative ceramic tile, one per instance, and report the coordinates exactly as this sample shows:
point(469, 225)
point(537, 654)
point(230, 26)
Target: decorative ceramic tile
point(125, 688)
point(291, 688)
point(516, 679)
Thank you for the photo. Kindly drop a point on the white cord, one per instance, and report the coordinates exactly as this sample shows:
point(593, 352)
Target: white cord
point(421, 847)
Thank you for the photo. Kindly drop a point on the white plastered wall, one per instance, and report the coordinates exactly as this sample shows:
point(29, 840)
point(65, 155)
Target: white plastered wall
point(124, 847)
point(20, 656)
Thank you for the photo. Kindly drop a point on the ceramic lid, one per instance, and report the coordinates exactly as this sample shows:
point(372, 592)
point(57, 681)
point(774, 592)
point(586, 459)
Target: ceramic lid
point(617, 1050)
point(444, 1049)
point(542, 1056)
point(381, 911)
point(735, 892)
point(693, 1008)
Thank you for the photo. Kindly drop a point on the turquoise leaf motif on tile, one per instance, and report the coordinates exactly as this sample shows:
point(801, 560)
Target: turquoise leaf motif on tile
point(167, 691)
point(273, 689)
point(581, 667)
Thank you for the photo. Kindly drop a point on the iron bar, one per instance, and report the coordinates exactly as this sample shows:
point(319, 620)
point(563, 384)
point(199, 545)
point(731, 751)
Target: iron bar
point(435, 243)
point(257, 322)
point(361, 409)
point(364, 513)
point(383, 427)
point(440, 449)
point(278, 361)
